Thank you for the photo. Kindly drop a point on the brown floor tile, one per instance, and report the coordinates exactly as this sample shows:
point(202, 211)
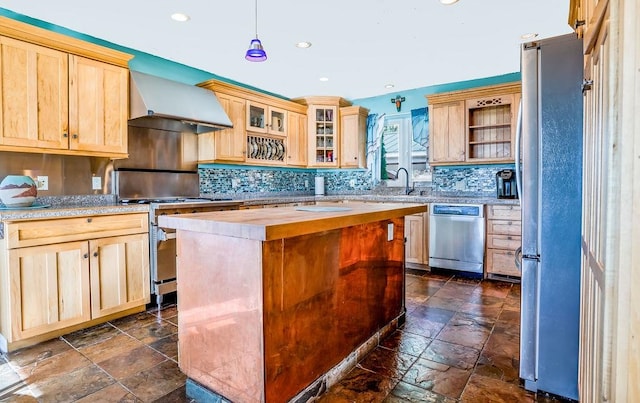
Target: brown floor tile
point(407, 393)
point(492, 289)
point(466, 331)
point(448, 303)
point(131, 362)
point(389, 363)
point(167, 346)
point(11, 385)
point(92, 335)
point(487, 390)
point(439, 378)
point(406, 342)
point(42, 351)
point(115, 346)
point(63, 363)
point(455, 290)
point(360, 386)
point(173, 319)
point(454, 355)
point(112, 393)
point(489, 311)
point(70, 386)
point(422, 327)
point(153, 332)
point(177, 396)
point(165, 312)
point(134, 321)
point(156, 382)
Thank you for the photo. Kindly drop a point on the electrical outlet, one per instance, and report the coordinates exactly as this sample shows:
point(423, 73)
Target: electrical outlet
point(43, 182)
point(306, 183)
point(352, 183)
point(235, 182)
point(390, 231)
point(96, 183)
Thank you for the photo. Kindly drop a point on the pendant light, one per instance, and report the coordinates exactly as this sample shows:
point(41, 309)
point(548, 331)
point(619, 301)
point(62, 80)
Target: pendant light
point(256, 52)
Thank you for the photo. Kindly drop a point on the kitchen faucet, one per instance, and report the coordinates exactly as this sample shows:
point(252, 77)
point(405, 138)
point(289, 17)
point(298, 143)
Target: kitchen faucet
point(406, 183)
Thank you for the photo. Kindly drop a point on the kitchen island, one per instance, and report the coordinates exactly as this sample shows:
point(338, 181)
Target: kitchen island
point(275, 303)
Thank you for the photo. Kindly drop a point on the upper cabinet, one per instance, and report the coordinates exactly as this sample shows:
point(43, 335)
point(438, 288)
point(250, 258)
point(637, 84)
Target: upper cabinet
point(263, 118)
point(476, 126)
point(353, 137)
point(61, 95)
point(297, 139)
point(227, 144)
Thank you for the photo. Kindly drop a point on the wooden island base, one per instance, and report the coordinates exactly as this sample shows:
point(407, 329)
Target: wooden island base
point(275, 320)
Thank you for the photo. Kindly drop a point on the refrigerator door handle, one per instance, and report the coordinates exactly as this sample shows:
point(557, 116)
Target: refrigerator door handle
point(518, 258)
point(529, 320)
point(519, 152)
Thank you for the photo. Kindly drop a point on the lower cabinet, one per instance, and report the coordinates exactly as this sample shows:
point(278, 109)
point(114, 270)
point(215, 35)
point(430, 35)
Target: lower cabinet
point(101, 270)
point(503, 238)
point(416, 234)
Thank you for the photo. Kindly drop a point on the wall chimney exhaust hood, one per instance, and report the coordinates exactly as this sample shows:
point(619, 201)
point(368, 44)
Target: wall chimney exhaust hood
point(155, 100)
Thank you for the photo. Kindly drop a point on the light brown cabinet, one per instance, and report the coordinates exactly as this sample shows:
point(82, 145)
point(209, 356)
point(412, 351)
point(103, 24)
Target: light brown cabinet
point(323, 135)
point(475, 126)
point(416, 234)
point(58, 96)
point(62, 274)
point(267, 119)
point(353, 137)
point(503, 238)
point(227, 144)
point(297, 139)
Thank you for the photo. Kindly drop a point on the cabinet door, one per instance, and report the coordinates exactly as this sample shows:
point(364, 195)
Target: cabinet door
point(447, 128)
point(491, 125)
point(34, 102)
point(228, 144)
point(297, 139)
point(98, 106)
point(119, 273)
point(323, 130)
point(353, 134)
point(49, 288)
point(416, 233)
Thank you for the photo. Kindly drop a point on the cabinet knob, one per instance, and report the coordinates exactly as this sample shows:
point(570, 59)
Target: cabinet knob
point(65, 135)
point(86, 255)
point(75, 136)
point(510, 222)
point(95, 254)
point(89, 219)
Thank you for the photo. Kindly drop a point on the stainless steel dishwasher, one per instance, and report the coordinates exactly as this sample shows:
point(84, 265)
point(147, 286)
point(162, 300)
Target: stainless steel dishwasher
point(457, 237)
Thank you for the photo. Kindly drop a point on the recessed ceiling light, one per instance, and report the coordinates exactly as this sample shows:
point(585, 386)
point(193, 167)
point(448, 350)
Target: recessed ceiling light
point(324, 79)
point(303, 45)
point(389, 86)
point(529, 35)
point(448, 2)
point(180, 17)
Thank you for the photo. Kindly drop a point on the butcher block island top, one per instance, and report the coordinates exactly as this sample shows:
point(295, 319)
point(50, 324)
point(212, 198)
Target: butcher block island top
point(277, 304)
point(286, 222)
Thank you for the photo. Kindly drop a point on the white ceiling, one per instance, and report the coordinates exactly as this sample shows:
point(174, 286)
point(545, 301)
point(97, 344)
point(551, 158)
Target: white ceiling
point(360, 45)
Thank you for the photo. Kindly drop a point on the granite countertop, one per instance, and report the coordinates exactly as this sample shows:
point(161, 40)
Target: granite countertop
point(381, 198)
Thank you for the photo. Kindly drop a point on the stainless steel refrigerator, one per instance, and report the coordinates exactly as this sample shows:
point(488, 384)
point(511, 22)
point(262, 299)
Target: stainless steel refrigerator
point(551, 199)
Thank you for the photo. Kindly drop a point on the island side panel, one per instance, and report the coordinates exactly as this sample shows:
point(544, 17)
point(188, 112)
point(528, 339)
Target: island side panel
point(220, 338)
point(326, 294)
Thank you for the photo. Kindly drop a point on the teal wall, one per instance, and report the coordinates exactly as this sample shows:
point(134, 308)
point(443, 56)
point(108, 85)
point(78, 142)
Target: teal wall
point(415, 98)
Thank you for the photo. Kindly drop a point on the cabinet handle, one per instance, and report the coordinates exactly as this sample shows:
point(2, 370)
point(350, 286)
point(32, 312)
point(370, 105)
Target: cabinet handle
point(89, 219)
point(509, 238)
point(95, 254)
point(75, 136)
point(86, 255)
point(510, 222)
point(65, 135)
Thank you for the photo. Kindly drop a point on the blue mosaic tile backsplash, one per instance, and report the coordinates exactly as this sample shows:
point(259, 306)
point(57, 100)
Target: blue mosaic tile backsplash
point(473, 180)
point(239, 181)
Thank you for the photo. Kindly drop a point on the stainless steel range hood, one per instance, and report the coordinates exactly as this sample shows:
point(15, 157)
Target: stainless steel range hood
point(155, 100)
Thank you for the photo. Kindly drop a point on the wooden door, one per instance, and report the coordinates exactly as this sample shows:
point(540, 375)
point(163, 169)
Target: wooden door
point(297, 139)
point(49, 288)
point(34, 103)
point(98, 106)
point(447, 128)
point(119, 273)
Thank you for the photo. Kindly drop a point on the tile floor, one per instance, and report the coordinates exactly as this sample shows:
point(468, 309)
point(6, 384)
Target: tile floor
point(459, 343)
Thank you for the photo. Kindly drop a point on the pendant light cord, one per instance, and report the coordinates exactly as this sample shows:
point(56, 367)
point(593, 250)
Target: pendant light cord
point(256, 9)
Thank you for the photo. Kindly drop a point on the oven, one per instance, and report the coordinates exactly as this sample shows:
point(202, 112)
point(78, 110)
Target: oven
point(162, 248)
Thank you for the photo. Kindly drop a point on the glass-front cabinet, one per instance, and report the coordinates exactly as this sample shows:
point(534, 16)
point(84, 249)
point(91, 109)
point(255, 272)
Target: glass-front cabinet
point(325, 130)
point(262, 118)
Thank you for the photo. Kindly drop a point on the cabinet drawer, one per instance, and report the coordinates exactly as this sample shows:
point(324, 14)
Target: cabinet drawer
point(503, 227)
point(500, 261)
point(44, 232)
point(509, 242)
point(504, 212)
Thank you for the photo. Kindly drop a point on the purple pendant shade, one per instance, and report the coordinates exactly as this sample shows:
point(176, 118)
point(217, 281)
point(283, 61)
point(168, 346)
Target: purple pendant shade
point(256, 52)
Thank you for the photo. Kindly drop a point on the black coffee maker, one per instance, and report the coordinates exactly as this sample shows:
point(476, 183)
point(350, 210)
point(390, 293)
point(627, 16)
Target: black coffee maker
point(506, 184)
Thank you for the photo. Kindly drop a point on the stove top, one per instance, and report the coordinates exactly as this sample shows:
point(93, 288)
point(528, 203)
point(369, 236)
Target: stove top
point(171, 200)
